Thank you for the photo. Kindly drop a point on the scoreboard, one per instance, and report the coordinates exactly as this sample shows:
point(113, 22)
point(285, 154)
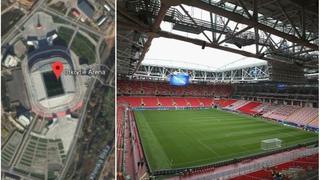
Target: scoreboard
point(179, 79)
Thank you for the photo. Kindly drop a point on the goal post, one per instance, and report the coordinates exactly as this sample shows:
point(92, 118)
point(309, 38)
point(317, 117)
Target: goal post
point(268, 144)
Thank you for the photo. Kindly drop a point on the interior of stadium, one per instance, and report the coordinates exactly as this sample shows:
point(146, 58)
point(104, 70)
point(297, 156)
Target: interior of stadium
point(252, 70)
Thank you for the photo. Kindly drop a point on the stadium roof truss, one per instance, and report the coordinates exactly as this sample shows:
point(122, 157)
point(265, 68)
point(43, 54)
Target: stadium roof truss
point(236, 75)
point(280, 30)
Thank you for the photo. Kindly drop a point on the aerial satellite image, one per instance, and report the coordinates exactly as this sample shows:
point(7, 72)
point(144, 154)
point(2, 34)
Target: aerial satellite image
point(58, 88)
point(159, 90)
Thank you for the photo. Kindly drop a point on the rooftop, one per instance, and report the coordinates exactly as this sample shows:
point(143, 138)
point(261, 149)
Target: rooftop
point(190, 56)
point(86, 7)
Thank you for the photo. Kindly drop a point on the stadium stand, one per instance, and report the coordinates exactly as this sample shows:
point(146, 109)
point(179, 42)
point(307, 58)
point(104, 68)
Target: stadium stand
point(166, 101)
point(164, 89)
point(249, 108)
point(263, 108)
point(193, 102)
point(300, 116)
point(303, 116)
point(314, 123)
point(206, 102)
point(287, 170)
point(133, 101)
point(226, 102)
point(281, 113)
point(179, 102)
point(149, 101)
point(237, 104)
point(148, 88)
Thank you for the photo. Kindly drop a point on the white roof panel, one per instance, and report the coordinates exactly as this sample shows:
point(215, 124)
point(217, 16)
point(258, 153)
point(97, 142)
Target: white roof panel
point(173, 53)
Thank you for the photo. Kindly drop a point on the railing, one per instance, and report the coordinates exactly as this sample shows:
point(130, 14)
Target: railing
point(273, 161)
point(245, 169)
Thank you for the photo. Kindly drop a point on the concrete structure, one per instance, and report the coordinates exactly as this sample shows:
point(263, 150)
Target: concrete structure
point(19, 49)
point(39, 26)
point(39, 63)
point(24, 121)
point(10, 61)
point(101, 20)
point(48, 96)
point(51, 38)
point(35, 44)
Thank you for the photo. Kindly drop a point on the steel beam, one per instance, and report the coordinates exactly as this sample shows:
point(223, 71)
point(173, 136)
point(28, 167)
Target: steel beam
point(268, 37)
point(215, 23)
point(225, 24)
point(289, 19)
point(245, 9)
point(199, 42)
point(194, 22)
point(241, 19)
point(235, 34)
point(256, 30)
point(155, 27)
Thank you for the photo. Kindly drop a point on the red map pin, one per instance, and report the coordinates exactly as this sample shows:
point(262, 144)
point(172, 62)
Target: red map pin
point(57, 68)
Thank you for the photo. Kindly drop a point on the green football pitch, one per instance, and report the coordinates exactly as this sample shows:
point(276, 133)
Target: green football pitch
point(186, 138)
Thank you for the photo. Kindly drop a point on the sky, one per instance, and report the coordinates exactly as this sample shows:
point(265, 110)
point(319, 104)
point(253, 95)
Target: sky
point(186, 54)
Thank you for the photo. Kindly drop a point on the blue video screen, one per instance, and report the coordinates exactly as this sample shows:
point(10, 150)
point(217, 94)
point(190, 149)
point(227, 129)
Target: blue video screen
point(179, 79)
point(281, 86)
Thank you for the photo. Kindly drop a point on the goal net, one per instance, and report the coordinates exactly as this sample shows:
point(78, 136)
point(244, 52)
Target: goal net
point(270, 144)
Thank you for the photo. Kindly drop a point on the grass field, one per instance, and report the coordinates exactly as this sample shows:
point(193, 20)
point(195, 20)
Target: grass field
point(184, 138)
point(84, 48)
point(65, 35)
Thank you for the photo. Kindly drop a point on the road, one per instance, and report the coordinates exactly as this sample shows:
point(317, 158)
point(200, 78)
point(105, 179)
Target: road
point(25, 177)
point(98, 49)
point(112, 77)
point(9, 8)
point(71, 21)
point(73, 35)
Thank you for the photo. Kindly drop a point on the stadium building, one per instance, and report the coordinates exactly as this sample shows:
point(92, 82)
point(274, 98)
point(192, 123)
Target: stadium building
point(49, 96)
point(217, 89)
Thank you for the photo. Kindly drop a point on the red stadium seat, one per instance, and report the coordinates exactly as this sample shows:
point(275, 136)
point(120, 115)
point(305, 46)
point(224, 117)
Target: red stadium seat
point(248, 108)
